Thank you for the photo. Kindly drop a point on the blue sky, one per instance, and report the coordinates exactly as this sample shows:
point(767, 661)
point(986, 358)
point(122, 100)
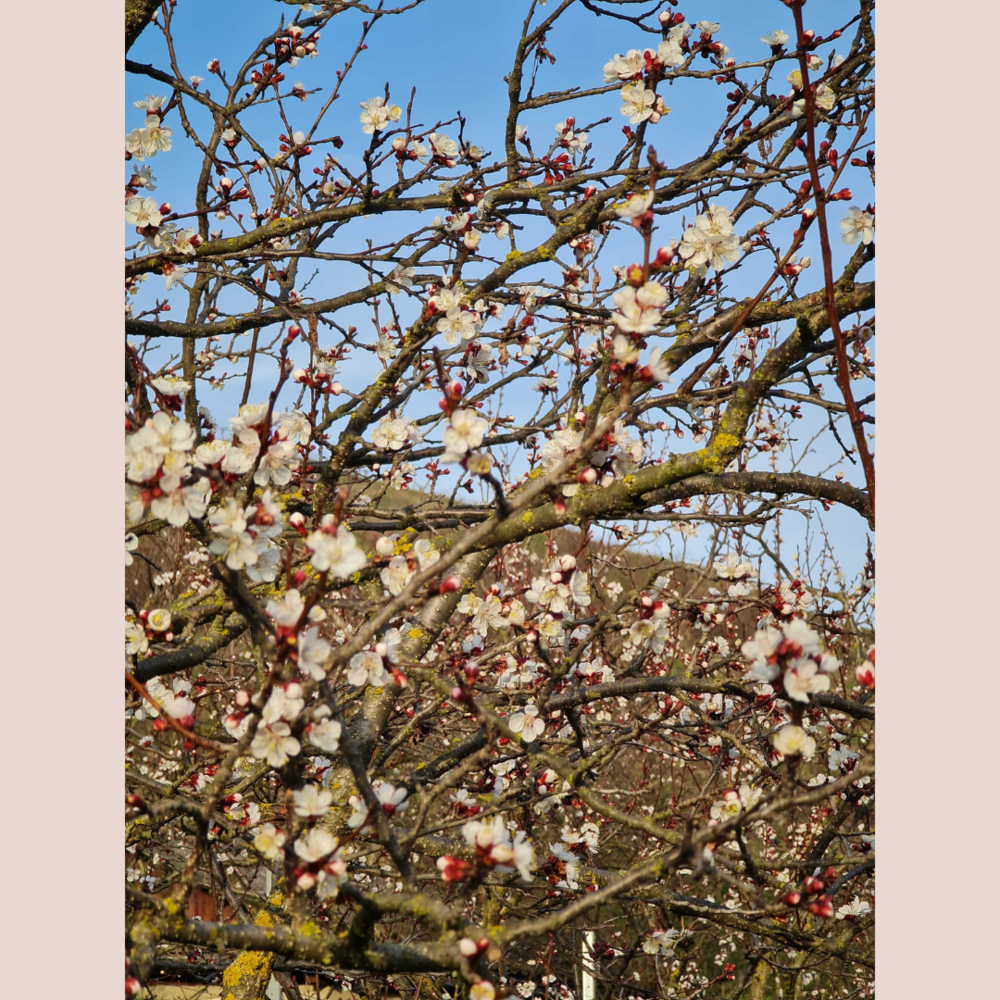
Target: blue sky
point(456, 52)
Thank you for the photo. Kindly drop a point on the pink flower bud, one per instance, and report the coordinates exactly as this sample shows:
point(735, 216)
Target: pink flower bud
point(865, 675)
point(663, 257)
point(449, 584)
point(336, 388)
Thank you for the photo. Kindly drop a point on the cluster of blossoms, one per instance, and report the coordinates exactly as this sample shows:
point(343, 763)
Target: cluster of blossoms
point(651, 630)
point(710, 241)
point(401, 565)
point(305, 646)
point(390, 798)
point(564, 857)
point(576, 142)
point(731, 568)
point(175, 701)
point(734, 802)
point(563, 583)
point(151, 219)
point(166, 475)
point(642, 69)
point(492, 611)
point(246, 539)
point(160, 469)
point(272, 458)
point(614, 456)
point(457, 319)
point(151, 626)
point(154, 137)
point(273, 740)
point(319, 864)
point(792, 656)
point(376, 114)
point(495, 850)
point(289, 45)
point(824, 95)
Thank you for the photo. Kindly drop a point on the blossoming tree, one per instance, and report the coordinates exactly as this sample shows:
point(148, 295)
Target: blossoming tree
point(466, 650)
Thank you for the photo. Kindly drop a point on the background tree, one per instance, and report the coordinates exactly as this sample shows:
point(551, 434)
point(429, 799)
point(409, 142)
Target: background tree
point(471, 654)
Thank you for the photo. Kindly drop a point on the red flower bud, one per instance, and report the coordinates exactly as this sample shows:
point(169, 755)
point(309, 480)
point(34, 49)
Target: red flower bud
point(865, 675)
point(663, 257)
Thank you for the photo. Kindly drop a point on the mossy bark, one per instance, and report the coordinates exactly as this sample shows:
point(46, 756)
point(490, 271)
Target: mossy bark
point(248, 975)
point(138, 13)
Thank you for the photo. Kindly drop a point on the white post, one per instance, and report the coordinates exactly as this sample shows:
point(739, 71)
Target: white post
point(586, 979)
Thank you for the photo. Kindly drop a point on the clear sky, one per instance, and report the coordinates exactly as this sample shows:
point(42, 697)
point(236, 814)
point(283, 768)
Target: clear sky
point(456, 53)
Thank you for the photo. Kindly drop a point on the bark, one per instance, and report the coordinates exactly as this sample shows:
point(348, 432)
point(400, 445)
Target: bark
point(138, 13)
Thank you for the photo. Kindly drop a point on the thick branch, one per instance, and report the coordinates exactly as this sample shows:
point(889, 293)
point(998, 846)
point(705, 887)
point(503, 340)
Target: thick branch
point(138, 13)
